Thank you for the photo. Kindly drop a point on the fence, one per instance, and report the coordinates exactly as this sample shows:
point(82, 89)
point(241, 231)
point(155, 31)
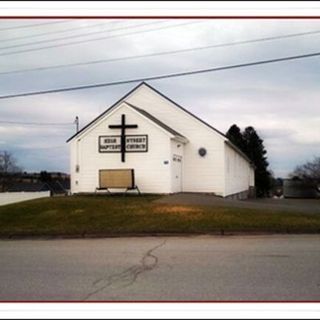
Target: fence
point(13, 197)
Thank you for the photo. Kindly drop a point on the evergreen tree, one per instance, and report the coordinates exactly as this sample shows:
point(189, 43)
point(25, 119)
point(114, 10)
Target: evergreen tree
point(256, 152)
point(252, 146)
point(235, 136)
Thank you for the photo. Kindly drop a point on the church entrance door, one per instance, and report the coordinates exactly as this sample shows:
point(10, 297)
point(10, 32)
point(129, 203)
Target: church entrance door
point(177, 173)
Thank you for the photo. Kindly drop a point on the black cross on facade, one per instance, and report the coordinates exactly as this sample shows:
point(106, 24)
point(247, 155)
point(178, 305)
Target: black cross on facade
point(123, 126)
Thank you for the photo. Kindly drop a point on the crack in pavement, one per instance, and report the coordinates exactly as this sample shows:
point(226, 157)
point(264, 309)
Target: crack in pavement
point(128, 276)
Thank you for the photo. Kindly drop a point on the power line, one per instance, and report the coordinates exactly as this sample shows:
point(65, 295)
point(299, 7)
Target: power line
point(35, 25)
point(159, 77)
point(100, 38)
point(56, 32)
point(219, 45)
point(76, 36)
point(35, 123)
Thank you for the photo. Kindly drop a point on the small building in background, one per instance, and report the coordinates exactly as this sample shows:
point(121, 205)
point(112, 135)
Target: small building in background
point(297, 188)
point(28, 187)
point(57, 183)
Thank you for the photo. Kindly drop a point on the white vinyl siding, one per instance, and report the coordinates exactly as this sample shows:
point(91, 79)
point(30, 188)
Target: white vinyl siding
point(238, 173)
point(222, 171)
point(200, 174)
point(151, 174)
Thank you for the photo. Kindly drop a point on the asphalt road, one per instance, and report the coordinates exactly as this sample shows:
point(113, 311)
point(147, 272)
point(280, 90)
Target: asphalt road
point(198, 268)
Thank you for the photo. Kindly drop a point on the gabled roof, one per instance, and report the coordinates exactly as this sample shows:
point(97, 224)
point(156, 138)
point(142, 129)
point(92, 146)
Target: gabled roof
point(106, 111)
point(173, 102)
point(128, 94)
point(155, 120)
point(182, 108)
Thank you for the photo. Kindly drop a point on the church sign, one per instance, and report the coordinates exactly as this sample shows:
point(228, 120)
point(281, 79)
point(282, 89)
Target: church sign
point(136, 143)
point(133, 143)
point(123, 143)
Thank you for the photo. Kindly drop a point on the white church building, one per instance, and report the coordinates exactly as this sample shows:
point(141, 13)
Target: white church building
point(169, 149)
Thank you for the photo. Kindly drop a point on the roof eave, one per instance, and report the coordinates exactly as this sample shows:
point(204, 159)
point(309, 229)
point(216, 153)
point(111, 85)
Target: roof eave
point(105, 112)
point(183, 140)
point(172, 133)
point(231, 145)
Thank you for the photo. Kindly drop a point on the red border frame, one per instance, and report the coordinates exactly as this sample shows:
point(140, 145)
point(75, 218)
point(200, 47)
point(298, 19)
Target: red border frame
point(160, 17)
point(163, 17)
point(160, 301)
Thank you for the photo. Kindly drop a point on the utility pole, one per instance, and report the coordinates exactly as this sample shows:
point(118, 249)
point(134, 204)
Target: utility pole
point(76, 122)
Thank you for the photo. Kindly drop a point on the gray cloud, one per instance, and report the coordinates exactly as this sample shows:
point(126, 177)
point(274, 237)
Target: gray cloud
point(279, 100)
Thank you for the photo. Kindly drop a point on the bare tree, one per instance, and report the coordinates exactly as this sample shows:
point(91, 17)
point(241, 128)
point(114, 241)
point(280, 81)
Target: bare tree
point(8, 170)
point(8, 164)
point(308, 171)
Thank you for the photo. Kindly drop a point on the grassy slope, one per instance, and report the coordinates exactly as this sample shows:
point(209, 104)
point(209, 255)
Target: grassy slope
point(111, 215)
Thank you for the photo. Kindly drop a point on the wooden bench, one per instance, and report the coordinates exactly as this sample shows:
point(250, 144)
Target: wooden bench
point(117, 179)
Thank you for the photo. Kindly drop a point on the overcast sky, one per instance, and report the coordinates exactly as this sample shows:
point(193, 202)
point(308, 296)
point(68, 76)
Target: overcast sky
point(280, 100)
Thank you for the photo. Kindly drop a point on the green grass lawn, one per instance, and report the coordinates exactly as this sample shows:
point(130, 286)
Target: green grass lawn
point(103, 215)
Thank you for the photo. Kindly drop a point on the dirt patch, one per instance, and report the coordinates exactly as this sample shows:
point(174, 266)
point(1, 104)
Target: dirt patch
point(78, 211)
point(176, 209)
point(182, 211)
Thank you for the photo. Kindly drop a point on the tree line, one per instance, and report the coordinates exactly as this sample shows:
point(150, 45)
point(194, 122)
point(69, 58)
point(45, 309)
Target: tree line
point(249, 142)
